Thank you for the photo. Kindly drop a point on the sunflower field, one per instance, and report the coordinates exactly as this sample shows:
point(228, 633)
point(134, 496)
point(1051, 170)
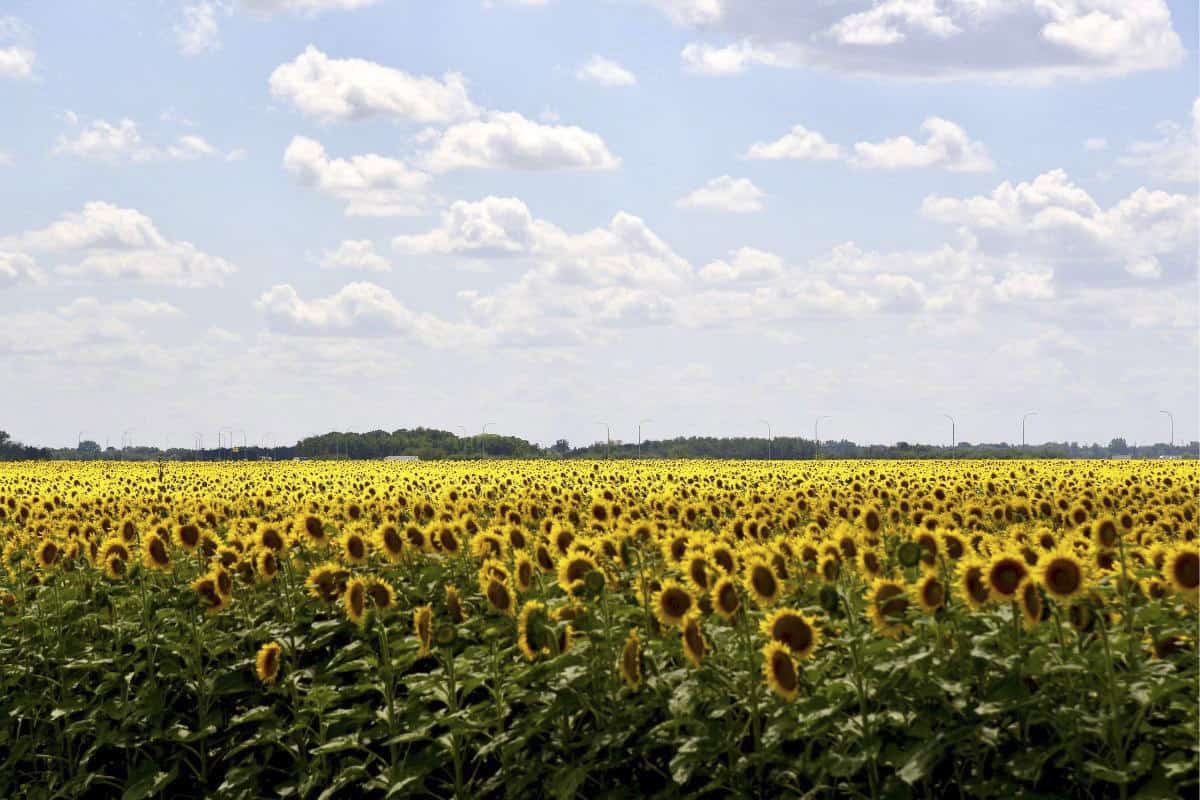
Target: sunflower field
point(598, 629)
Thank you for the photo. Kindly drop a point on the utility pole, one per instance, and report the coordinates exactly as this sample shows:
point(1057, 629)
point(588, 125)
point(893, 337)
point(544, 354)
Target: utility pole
point(640, 435)
point(607, 439)
point(764, 422)
point(817, 434)
point(953, 438)
point(482, 434)
point(1171, 417)
point(1026, 416)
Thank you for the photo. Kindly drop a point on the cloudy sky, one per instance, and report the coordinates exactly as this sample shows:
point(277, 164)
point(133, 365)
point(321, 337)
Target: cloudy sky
point(287, 216)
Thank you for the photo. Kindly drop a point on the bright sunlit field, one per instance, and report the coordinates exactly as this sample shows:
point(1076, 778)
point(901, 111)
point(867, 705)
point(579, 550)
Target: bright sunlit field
point(595, 629)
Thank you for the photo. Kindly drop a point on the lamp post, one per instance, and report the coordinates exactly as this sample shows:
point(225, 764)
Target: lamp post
point(764, 422)
point(126, 441)
point(817, 433)
point(79, 442)
point(607, 439)
point(640, 423)
point(1024, 417)
point(953, 438)
point(1171, 417)
point(482, 434)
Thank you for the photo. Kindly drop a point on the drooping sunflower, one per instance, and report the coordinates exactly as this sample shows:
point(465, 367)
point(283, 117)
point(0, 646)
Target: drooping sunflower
point(630, 665)
point(1061, 574)
point(929, 592)
point(454, 606)
point(531, 627)
point(762, 583)
point(499, 596)
point(1004, 574)
point(48, 554)
point(381, 594)
point(327, 582)
point(779, 670)
point(794, 630)
point(972, 582)
point(187, 536)
point(423, 629)
point(354, 547)
point(573, 571)
point(888, 603)
point(1181, 567)
point(354, 601)
point(725, 598)
point(266, 564)
point(1029, 598)
point(210, 599)
point(695, 646)
point(267, 662)
point(672, 603)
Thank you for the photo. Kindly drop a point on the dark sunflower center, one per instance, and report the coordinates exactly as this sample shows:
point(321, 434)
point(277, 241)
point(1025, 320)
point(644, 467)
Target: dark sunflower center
point(793, 631)
point(1187, 570)
point(784, 671)
point(891, 601)
point(933, 594)
point(1007, 575)
point(676, 602)
point(764, 581)
point(1063, 576)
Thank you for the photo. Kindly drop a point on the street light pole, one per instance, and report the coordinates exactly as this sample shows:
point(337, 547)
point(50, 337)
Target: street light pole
point(1171, 417)
point(640, 435)
point(1026, 416)
point(817, 433)
point(607, 439)
point(482, 434)
point(953, 438)
point(764, 422)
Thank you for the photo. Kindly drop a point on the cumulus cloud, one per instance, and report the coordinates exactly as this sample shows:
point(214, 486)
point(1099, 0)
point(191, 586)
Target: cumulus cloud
point(16, 56)
point(946, 145)
point(110, 242)
point(744, 265)
point(1033, 41)
point(1148, 234)
point(85, 330)
point(18, 268)
point(1174, 156)
point(354, 254)
point(333, 89)
point(605, 72)
point(734, 195)
point(799, 143)
point(122, 142)
point(198, 32)
point(507, 140)
point(369, 185)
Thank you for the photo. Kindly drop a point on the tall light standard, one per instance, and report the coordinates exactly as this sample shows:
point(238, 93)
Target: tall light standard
point(1171, 417)
point(1026, 416)
point(199, 443)
point(764, 422)
point(482, 434)
point(953, 438)
point(817, 433)
point(640, 423)
point(463, 428)
point(79, 442)
point(607, 439)
point(126, 441)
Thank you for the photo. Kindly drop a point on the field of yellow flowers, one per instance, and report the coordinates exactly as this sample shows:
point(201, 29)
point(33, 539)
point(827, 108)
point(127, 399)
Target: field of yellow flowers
point(599, 629)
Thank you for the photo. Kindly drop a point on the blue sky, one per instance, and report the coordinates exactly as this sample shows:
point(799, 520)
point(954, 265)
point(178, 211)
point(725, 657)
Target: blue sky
point(286, 216)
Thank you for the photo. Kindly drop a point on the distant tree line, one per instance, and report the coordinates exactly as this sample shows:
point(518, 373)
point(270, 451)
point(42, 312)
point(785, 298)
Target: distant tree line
point(429, 444)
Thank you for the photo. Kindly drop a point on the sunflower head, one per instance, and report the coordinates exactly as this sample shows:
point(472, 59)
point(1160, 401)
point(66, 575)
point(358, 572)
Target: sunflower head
point(695, 646)
point(267, 662)
point(1004, 575)
point(423, 628)
point(1061, 574)
point(354, 601)
point(533, 630)
point(672, 603)
point(1029, 598)
point(499, 596)
point(762, 583)
point(888, 602)
point(780, 672)
point(1181, 567)
point(795, 631)
point(630, 665)
point(725, 598)
point(929, 593)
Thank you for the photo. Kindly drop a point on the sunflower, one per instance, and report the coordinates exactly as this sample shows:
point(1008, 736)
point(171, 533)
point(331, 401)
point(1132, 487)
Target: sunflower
point(1181, 567)
point(272, 538)
point(48, 554)
point(630, 665)
point(868, 561)
point(1105, 532)
point(266, 564)
point(211, 600)
point(390, 542)
point(1004, 575)
point(187, 536)
point(223, 580)
point(531, 626)
point(762, 582)
point(354, 548)
point(930, 593)
point(266, 663)
point(695, 646)
point(780, 671)
point(573, 571)
point(888, 605)
point(725, 598)
point(523, 573)
point(1061, 574)
point(499, 596)
point(1029, 598)
point(327, 582)
point(423, 628)
point(454, 606)
point(354, 600)
point(795, 631)
point(312, 528)
point(381, 594)
point(672, 603)
point(115, 568)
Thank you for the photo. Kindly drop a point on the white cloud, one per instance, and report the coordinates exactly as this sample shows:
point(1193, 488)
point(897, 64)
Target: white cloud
point(18, 268)
point(507, 140)
point(605, 72)
point(85, 330)
point(330, 89)
point(122, 142)
point(946, 145)
point(6, 159)
point(1031, 41)
point(16, 56)
point(354, 254)
point(306, 7)
point(198, 32)
point(1174, 157)
point(1147, 234)
point(735, 195)
point(744, 265)
point(370, 185)
point(358, 309)
point(1095, 144)
point(799, 143)
point(107, 241)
